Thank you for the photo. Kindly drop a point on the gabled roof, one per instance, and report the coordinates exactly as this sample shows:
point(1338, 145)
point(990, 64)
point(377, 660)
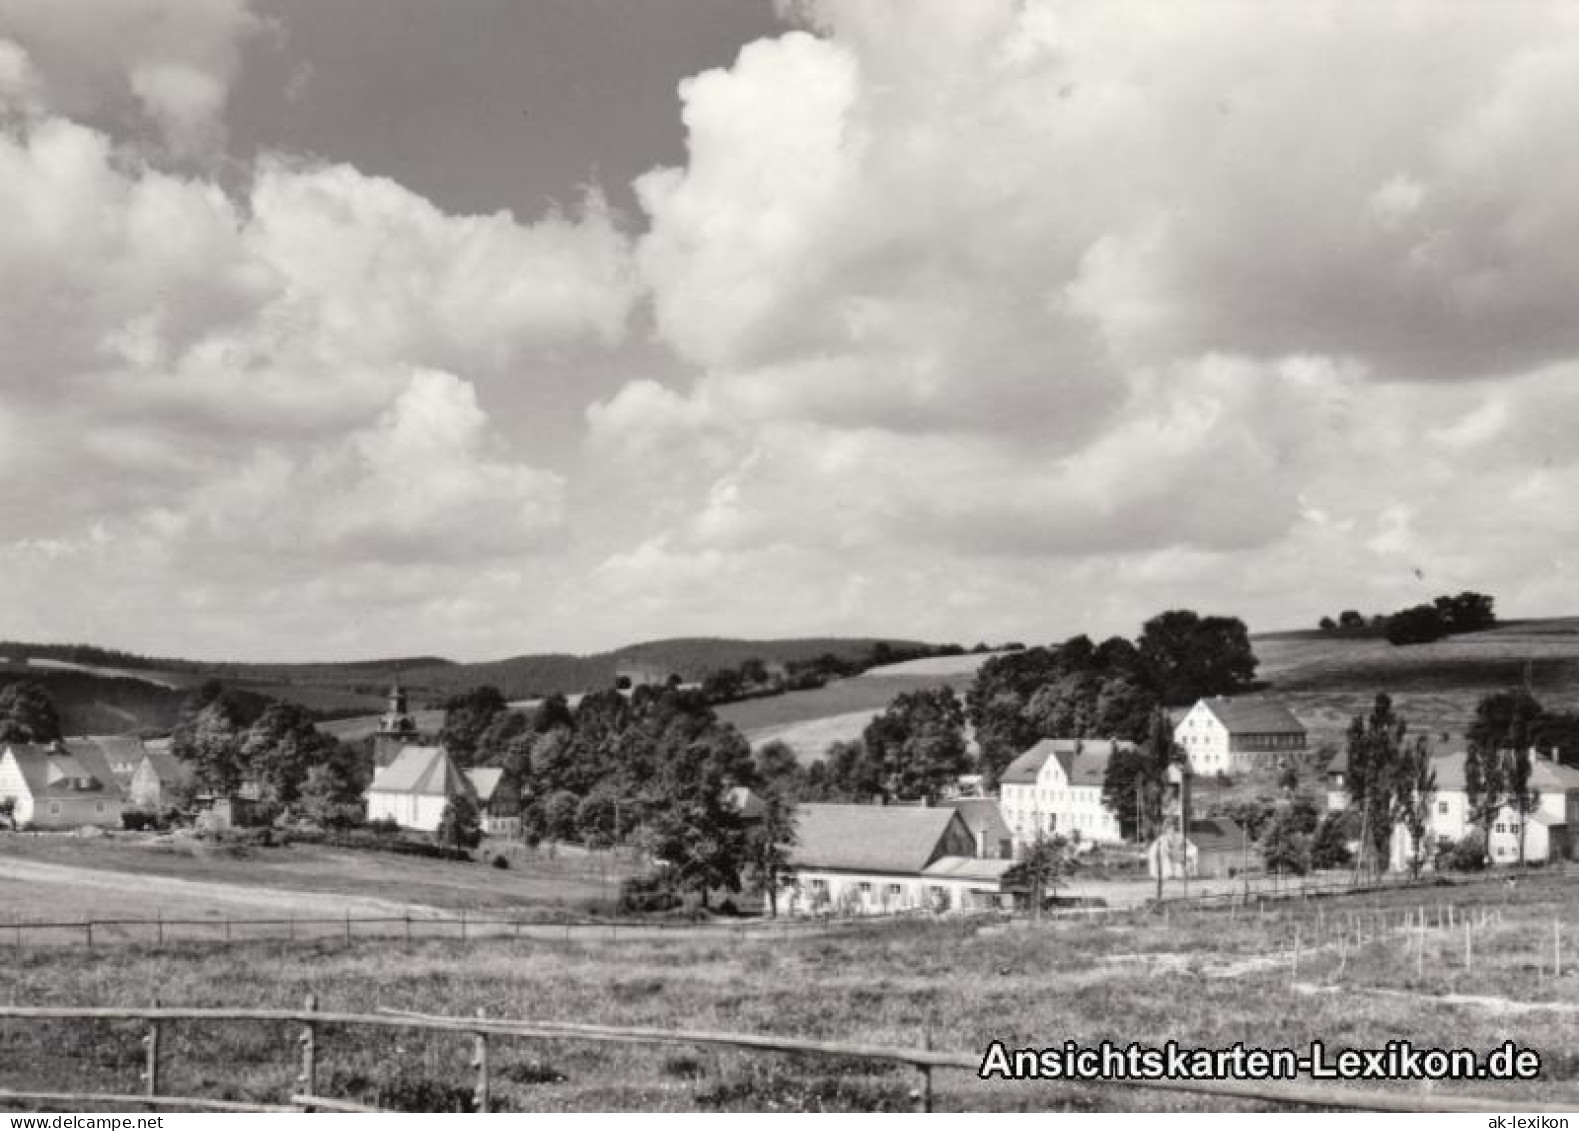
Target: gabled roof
point(54, 772)
point(1253, 716)
point(165, 765)
point(1213, 834)
point(1545, 775)
point(485, 779)
point(121, 753)
point(94, 757)
point(426, 770)
point(871, 838)
point(983, 817)
point(1084, 760)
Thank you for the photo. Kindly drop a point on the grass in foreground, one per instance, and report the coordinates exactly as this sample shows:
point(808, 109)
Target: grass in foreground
point(869, 983)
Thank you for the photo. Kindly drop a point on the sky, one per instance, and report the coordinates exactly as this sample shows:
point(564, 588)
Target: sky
point(383, 327)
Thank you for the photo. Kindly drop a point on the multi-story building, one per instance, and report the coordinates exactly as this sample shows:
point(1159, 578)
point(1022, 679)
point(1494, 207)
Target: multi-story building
point(1055, 787)
point(1223, 736)
point(1549, 832)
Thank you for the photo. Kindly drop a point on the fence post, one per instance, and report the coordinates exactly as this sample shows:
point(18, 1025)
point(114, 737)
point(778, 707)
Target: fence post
point(348, 927)
point(160, 914)
point(1557, 948)
point(88, 927)
point(308, 1080)
point(408, 926)
point(227, 928)
point(924, 1093)
point(1469, 948)
point(1294, 974)
point(463, 924)
point(151, 1057)
point(480, 1063)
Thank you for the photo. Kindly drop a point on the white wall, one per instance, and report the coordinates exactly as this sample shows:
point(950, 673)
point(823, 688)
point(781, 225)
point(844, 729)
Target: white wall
point(419, 811)
point(877, 893)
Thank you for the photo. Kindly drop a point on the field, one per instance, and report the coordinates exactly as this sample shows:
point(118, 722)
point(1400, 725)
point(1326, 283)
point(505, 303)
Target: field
point(1329, 679)
point(137, 875)
point(1202, 978)
point(809, 721)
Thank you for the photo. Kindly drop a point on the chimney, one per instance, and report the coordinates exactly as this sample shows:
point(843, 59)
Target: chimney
point(981, 844)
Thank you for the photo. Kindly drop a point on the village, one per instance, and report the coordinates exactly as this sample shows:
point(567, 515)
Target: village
point(1045, 836)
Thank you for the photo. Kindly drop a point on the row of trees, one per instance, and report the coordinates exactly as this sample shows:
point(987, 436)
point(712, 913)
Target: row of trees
point(1445, 616)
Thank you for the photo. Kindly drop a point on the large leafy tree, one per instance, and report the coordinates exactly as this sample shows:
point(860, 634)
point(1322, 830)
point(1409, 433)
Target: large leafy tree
point(27, 713)
point(918, 743)
point(770, 839)
point(467, 718)
point(1187, 656)
point(1505, 722)
point(1047, 860)
point(210, 738)
point(279, 749)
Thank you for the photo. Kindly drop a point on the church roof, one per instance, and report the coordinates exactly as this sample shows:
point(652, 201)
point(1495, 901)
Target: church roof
point(426, 770)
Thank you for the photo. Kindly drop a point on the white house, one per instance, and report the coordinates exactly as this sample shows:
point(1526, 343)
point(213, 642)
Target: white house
point(500, 812)
point(1548, 836)
point(877, 859)
point(1222, 735)
point(54, 788)
point(413, 789)
point(1056, 787)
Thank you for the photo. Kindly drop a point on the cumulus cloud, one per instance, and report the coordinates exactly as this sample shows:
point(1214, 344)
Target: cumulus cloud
point(1037, 282)
point(174, 60)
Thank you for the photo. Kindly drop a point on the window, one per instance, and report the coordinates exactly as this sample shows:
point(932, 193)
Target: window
point(98, 807)
point(1441, 806)
point(1501, 828)
point(866, 887)
point(894, 889)
point(819, 887)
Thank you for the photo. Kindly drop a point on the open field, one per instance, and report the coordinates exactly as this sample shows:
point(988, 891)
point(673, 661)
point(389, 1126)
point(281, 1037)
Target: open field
point(1328, 679)
point(137, 875)
point(841, 709)
point(1202, 978)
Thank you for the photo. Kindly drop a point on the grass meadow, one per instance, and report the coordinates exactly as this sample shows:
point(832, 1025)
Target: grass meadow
point(1207, 978)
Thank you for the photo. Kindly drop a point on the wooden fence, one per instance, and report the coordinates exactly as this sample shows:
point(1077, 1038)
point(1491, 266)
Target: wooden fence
point(924, 1061)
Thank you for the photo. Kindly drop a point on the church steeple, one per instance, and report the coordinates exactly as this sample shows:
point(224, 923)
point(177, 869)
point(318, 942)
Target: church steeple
point(397, 720)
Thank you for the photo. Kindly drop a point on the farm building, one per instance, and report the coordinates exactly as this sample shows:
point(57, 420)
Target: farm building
point(499, 809)
point(1222, 735)
point(1548, 837)
point(984, 818)
point(1216, 847)
point(875, 859)
point(159, 780)
point(413, 789)
point(1056, 787)
point(54, 788)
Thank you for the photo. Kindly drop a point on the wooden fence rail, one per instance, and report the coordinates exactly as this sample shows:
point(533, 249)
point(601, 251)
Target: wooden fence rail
point(925, 1060)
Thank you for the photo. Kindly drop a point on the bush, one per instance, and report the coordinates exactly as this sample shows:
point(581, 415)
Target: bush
point(653, 891)
point(499, 862)
point(1467, 854)
point(139, 820)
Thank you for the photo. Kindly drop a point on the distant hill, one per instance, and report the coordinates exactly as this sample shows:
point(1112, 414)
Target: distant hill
point(100, 690)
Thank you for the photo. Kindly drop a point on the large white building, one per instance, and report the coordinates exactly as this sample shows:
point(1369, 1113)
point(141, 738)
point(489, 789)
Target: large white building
point(1548, 837)
point(1055, 787)
point(413, 789)
point(1229, 736)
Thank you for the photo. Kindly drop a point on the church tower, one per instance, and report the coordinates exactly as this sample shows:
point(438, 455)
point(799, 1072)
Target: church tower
point(396, 727)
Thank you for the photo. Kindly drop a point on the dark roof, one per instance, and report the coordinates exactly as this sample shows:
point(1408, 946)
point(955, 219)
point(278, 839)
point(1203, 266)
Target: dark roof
point(1084, 760)
point(982, 816)
point(1214, 834)
point(122, 753)
point(51, 771)
point(870, 838)
point(91, 758)
point(165, 765)
point(1254, 716)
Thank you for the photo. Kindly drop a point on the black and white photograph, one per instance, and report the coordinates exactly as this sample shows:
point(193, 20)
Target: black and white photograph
point(788, 556)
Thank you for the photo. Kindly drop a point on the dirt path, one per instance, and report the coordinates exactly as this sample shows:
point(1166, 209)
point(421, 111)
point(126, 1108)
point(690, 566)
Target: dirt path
point(1477, 1001)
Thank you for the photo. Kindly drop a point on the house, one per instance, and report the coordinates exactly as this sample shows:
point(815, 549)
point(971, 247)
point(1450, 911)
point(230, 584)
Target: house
point(159, 781)
point(1222, 735)
point(499, 810)
point(51, 787)
point(121, 754)
point(1548, 837)
point(881, 859)
point(413, 790)
point(1216, 847)
point(1056, 787)
point(994, 839)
